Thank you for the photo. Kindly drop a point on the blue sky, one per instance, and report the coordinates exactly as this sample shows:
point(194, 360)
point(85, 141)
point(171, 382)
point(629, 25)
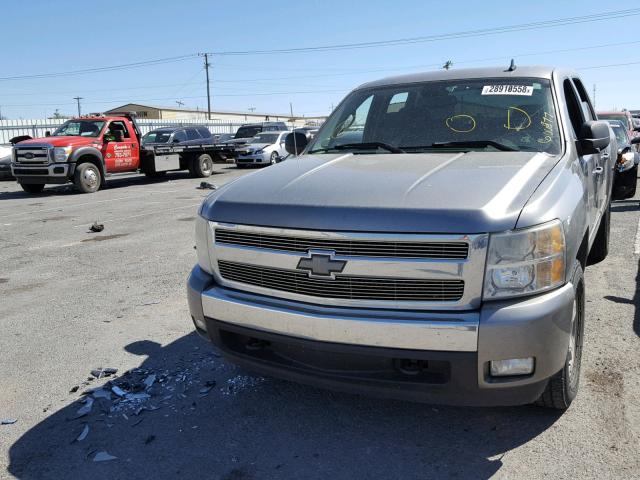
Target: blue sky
point(41, 36)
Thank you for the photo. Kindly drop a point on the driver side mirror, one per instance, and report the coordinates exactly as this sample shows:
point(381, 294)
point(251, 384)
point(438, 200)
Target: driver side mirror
point(295, 143)
point(594, 137)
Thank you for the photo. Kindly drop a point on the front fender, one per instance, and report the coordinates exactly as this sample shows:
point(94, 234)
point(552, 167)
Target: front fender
point(91, 152)
point(563, 194)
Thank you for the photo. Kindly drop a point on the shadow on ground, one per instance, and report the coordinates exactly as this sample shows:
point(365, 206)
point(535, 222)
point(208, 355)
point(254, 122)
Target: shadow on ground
point(635, 301)
point(247, 427)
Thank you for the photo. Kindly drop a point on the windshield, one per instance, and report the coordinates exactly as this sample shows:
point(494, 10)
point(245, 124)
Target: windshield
point(79, 128)
point(515, 114)
point(156, 137)
point(248, 131)
point(621, 117)
point(265, 138)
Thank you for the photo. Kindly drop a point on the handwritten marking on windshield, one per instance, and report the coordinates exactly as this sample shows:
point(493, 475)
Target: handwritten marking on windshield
point(547, 127)
point(525, 119)
point(461, 123)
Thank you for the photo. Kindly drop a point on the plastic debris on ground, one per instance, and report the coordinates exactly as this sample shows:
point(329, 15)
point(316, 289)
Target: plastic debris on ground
point(206, 186)
point(8, 421)
point(103, 457)
point(83, 434)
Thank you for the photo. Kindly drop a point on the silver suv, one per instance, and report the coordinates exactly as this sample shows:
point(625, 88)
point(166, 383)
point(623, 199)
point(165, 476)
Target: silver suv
point(428, 244)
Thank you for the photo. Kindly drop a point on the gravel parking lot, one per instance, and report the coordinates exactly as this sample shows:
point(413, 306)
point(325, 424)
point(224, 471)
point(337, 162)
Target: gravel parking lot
point(73, 301)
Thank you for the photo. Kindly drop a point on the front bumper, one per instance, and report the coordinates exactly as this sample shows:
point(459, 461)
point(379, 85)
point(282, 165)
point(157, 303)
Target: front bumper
point(51, 173)
point(255, 158)
point(435, 357)
point(5, 171)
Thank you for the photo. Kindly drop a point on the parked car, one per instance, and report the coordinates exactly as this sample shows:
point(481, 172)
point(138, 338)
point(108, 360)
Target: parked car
point(310, 132)
point(178, 135)
point(221, 138)
point(265, 148)
point(440, 258)
point(625, 117)
point(626, 171)
point(5, 162)
point(244, 134)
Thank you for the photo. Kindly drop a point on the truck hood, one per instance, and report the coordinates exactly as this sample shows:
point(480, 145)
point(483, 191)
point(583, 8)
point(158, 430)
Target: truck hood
point(73, 141)
point(473, 192)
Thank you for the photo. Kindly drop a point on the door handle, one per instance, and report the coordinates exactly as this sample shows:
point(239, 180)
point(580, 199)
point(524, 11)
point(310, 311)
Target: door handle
point(598, 170)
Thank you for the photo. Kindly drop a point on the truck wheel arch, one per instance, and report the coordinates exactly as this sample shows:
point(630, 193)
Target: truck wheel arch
point(91, 155)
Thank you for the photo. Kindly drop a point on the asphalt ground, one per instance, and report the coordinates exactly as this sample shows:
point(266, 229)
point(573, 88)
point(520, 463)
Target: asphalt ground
point(72, 301)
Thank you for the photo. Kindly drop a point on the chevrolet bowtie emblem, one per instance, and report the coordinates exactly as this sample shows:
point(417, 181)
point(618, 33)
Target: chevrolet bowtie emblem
point(321, 265)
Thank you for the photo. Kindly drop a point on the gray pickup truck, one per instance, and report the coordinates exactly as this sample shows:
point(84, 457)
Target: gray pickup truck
point(429, 243)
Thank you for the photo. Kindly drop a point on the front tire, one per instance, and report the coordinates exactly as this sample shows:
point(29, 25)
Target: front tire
point(275, 158)
point(562, 388)
point(87, 178)
point(32, 187)
point(202, 166)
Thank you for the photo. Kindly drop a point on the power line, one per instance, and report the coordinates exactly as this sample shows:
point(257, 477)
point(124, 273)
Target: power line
point(146, 63)
point(610, 15)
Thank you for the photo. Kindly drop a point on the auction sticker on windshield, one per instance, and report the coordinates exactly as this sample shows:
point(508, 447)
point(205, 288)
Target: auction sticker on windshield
point(507, 90)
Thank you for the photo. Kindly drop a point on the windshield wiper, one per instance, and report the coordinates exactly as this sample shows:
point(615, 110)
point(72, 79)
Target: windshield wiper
point(474, 144)
point(361, 146)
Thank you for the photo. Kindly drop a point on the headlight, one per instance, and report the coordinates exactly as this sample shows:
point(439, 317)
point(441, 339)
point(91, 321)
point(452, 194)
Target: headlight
point(62, 153)
point(258, 151)
point(203, 243)
point(527, 261)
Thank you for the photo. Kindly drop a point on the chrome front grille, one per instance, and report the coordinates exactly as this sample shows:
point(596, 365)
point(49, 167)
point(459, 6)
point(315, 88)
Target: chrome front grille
point(344, 286)
point(400, 271)
point(346, 247)
point(31, 155)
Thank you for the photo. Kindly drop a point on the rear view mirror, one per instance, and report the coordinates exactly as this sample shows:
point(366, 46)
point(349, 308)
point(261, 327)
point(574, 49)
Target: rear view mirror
point(594, 137)
point(295, 143)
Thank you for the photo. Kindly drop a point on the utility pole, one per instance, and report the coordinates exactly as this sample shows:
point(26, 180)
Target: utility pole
point(448, 65)
point(293, 129)
point(180, 104)
point(77, 99)
point(252, 109)
point(206, 67)
point(594, 95)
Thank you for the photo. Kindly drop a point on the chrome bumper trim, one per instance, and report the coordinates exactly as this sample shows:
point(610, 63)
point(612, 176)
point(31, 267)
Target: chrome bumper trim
point(452, 331)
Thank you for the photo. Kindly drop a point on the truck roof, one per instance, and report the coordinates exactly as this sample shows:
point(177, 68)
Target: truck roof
point(466, 73)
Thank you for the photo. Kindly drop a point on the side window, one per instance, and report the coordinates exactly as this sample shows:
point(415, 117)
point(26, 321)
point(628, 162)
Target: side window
point(204, 132)
point(573, 105)
point(117, 125)
point(180, 136)
point(192, 134)
point(587, 110)
point(397, 102)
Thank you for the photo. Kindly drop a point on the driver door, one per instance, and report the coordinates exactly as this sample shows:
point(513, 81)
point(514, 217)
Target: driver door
point(119, 156)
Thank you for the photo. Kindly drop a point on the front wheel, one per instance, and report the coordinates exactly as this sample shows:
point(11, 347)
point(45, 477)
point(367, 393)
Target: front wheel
point(562, 388)
point(275, 158)
point(32, 187)
point(87, 178)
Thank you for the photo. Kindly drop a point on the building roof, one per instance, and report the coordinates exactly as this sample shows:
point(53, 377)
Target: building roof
point(213, 112)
